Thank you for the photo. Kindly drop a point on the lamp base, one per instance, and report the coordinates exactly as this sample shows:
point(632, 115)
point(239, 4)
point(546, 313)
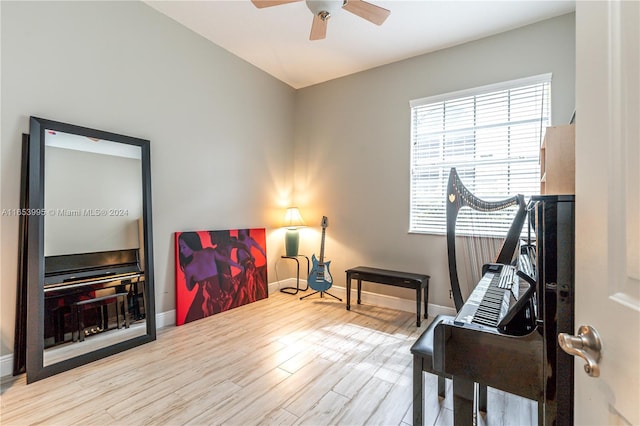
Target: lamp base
point(291, 242)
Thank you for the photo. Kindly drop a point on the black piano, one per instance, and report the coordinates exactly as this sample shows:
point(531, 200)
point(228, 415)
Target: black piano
point(505, 335)
point(89, 293)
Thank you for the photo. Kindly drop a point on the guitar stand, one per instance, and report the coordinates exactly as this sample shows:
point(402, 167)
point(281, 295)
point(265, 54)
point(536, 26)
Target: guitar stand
point(321, 293)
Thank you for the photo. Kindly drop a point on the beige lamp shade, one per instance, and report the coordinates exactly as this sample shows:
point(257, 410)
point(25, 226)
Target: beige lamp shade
point(293, 219)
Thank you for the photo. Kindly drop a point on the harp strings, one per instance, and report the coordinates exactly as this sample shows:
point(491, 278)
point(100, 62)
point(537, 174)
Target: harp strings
point(476, 249)
point(478, 236)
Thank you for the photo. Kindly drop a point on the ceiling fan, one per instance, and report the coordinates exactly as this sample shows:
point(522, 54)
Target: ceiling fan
point(323, 9)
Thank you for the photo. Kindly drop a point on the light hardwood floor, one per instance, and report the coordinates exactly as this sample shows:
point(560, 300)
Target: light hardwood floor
point(279, 361)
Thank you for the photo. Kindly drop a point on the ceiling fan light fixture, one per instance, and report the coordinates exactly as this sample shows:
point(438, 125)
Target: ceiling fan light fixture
point(324, 8)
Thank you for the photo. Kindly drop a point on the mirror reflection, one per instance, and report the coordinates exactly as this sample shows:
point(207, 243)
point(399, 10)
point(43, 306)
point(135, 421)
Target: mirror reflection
point(86, 285)
point(93, 245)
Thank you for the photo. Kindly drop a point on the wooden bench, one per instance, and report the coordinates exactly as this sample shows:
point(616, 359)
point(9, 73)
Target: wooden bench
point(419, 282)
point(102, 302)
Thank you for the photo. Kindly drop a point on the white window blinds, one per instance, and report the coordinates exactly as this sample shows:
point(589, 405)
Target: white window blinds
point(492, 136)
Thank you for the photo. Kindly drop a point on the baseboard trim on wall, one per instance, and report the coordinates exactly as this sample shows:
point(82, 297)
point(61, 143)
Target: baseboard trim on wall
point(168, 318)
point(391, 302)
point(6, 365)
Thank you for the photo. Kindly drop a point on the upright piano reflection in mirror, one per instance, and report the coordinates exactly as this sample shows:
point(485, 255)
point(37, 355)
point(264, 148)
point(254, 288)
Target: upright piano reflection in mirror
point(91, 293)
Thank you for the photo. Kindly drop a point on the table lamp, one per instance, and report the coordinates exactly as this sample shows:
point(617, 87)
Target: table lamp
point(293, 221)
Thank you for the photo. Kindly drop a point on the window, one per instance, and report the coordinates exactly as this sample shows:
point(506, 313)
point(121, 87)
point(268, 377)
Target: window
point(492, 136)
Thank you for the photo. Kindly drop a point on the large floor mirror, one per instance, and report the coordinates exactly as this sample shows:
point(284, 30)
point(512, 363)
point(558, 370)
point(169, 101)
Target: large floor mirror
point(86, 255)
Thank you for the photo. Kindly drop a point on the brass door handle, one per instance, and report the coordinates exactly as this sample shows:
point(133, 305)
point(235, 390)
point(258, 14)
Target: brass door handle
point(587, 345)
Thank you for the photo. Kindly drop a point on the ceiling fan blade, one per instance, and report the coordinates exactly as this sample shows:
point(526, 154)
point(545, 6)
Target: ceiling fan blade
point(368, 11)
point(318, 28)
point(268, 3)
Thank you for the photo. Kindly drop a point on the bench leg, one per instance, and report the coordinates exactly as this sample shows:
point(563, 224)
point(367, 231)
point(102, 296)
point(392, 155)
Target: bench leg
point(418, 305)
point(482, 398)
point(105, 317)
point(418, 391)
point(125, 317)
point(463, 391)
point(540, 413)
point(426, 300)
point(118, 324)
point(441, 386)
point(74, 323)
point(348, 291)
point(80, 324)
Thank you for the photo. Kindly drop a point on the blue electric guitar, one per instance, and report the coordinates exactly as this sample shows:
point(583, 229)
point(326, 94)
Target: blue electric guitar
point(320, 277)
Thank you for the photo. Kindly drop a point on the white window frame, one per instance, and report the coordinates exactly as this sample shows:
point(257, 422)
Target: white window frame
point(427, 208)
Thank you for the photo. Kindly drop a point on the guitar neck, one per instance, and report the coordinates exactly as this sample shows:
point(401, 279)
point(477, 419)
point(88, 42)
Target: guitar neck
point(321, 261)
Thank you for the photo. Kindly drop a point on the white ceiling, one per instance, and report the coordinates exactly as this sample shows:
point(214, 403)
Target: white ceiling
point(276, 39)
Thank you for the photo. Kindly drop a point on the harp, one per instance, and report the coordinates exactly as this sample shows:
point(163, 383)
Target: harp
point(458, 196)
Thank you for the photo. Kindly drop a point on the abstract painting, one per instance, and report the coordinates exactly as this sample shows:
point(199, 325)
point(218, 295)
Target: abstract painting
point(218, 270)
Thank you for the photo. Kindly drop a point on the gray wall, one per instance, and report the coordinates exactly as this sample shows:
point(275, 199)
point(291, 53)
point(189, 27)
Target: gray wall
point(221, 131)
point(353, 151)
point(77, 181)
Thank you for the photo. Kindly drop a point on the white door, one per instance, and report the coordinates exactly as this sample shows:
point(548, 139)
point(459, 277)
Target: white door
point(607, 207)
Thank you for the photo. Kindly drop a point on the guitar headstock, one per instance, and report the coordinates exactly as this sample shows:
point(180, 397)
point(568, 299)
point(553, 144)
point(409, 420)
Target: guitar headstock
point(325, 222)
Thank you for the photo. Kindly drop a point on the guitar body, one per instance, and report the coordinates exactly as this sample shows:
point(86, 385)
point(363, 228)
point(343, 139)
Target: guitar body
point(320, 278)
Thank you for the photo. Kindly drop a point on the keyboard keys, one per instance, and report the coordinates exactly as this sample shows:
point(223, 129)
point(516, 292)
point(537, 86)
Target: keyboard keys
point(488, 312)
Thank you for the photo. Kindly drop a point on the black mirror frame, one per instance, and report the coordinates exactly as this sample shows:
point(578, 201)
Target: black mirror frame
point(34, 267)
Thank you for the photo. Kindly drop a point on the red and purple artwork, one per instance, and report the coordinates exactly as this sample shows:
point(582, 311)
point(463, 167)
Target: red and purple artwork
point(219, 270)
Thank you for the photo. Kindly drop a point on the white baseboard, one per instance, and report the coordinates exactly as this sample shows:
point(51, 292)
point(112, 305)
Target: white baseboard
point(391, 302)
point(165, 319)
point(289, 282)
point(6, 365)
point(168, 318)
